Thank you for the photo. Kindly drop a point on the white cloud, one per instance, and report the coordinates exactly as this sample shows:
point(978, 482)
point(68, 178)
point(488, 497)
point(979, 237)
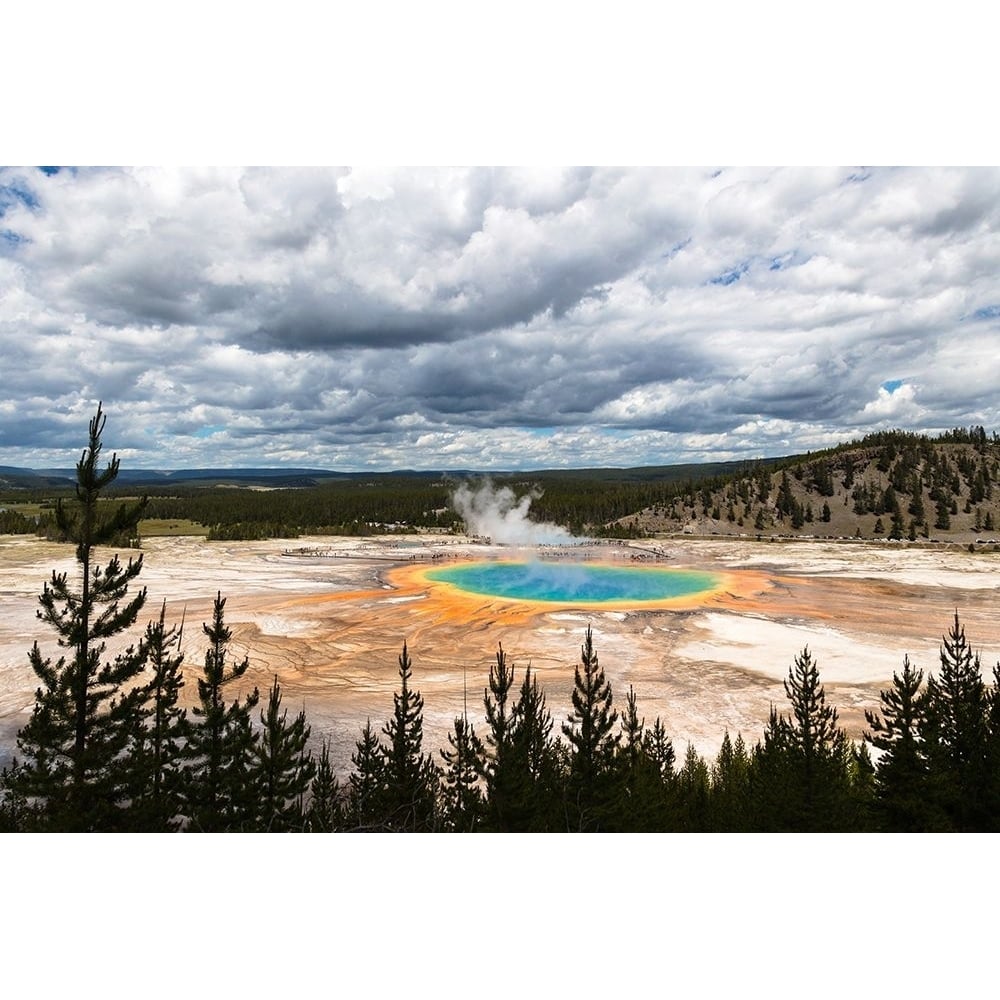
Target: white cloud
point(898, 404)
point(504, 317)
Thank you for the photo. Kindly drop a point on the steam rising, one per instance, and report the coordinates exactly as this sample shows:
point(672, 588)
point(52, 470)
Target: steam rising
point(499, 514)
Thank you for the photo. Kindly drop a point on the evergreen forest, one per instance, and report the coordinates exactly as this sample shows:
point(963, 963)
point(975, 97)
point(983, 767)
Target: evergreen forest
point(888, 486)
point(108, 748)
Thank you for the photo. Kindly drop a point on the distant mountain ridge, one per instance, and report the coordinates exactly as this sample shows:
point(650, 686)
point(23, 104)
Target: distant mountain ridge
point(25, 478)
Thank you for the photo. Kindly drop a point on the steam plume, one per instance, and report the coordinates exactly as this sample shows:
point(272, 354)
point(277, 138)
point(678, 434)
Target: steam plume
point(501, 515)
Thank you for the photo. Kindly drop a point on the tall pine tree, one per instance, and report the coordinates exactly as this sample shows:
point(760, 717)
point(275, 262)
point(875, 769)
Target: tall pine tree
point(74, 773)
point(902, 800)
point(589, 730)
point(325, 801)
point(535, 786)
point(819, 754)
point(281, 769)
point(219, 740)
point(461, 798)
point(729, 802)
point(410, 774)
point(498, 768)
point(366, 806)
point(156, 748)
point(956, 733)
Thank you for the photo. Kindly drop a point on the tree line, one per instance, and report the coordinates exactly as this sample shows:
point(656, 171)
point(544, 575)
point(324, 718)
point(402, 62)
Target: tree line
point(888, 484)
point(108, 747)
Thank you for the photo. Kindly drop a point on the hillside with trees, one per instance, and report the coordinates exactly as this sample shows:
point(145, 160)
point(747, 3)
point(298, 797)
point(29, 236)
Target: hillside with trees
point(890, 485)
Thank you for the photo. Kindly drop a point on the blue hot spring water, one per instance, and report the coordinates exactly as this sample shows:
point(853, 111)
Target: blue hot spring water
point(574, 582)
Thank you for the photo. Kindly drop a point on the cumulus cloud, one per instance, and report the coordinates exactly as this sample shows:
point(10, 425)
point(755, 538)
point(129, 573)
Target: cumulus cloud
point(896, 403)
point(478, 318)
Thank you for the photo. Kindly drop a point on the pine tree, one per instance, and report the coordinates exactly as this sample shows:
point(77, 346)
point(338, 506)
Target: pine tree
point(785, 503)
point(860, 816)
point(659, 749)
point(902, 776)
point(498, 771)
point(896, 532)
point(773, 791)
point(219, 740)
point(629, 762)
point(729, 800)
point(410, 775)
point(588, 729)
point(956, 734)
point(916, 505)
point(324, 813)
point(632, 728)
point(74, 774)
point(799, 778)
point(818, 750)
point(367, 808)
point(282, 768)
point(693, 792)
point(942, 509)
point(645, 789)
point(534, 763)
point(155, 753)
point(462, 799)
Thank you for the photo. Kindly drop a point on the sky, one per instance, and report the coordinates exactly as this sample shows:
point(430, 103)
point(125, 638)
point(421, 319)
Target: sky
point(492, 317)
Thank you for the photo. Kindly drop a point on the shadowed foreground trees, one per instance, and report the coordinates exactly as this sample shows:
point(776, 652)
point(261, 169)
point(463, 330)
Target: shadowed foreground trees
point(803, 775)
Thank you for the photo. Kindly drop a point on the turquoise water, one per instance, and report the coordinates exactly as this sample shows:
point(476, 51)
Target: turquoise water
point(574, 582)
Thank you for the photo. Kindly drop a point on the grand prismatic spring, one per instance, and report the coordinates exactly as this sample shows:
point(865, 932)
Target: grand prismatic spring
point(330, 617)
point(576, 583)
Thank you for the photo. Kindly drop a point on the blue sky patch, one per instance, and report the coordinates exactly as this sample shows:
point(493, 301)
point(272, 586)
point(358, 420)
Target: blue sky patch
point(676, 249)
point(780, 262)
point(892, 385)
point(11, 194)
point(987, 312)
point(732, 275)
point(209, 430)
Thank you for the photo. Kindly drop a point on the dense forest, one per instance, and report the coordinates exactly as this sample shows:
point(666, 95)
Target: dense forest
point(890, 485)
point(108, 748)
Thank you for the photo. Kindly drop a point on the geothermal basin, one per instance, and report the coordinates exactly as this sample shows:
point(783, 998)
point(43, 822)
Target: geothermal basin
point(329, 617)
